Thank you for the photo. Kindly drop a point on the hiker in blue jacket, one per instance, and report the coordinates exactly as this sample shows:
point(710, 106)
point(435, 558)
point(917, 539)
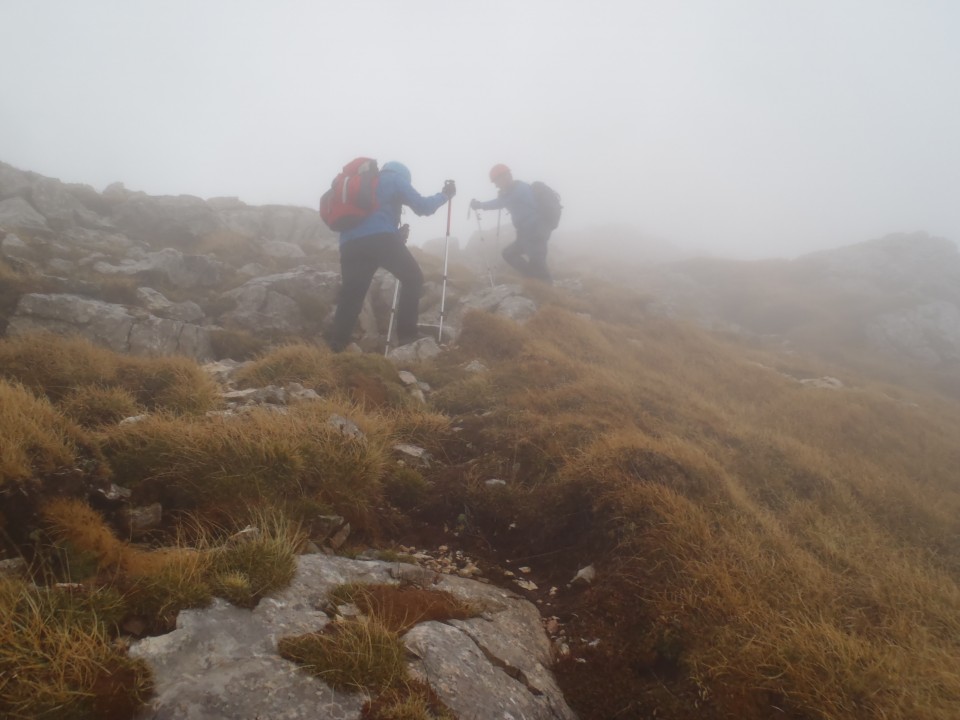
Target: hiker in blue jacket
point(379, 242)
point(528, 253)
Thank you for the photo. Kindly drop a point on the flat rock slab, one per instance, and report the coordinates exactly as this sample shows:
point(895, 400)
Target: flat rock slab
point(220, 663)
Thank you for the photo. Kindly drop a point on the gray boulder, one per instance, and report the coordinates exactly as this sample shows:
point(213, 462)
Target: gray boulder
point(182, 271)
point(282, 302)
point(110, 325)
point(221, 662)
point(17, 214)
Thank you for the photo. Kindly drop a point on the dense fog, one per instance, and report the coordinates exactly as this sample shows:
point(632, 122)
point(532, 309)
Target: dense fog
point(744, 129)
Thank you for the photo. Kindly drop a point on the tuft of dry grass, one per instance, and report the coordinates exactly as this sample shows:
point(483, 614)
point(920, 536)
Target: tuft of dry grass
point(358, 655)
point(92, 407)
point(250, 564)
point(236, 344)
point(219, 465)
point(367, 653)
point(415, 701)
point(35, 439)
point(53, 365)
point(490, 337)
point(57, 659)
point(155, 585)
point(58, 367)
point(400, 607)
point(305, 364)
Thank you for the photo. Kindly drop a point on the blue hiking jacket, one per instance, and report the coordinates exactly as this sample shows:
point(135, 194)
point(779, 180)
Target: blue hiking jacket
point(393, 192)
point(519, 201)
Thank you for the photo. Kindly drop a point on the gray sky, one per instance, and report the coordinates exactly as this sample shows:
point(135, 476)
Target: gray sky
point(740, 128)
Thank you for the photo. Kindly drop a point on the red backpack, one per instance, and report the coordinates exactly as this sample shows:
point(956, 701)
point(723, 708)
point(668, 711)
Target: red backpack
point(352, 195)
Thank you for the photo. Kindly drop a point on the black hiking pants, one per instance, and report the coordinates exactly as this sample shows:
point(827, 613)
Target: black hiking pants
point(359, 260)
point(528, 254)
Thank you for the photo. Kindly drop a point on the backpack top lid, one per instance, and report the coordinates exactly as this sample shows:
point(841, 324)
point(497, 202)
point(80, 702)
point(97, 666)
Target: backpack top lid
point(358, 166)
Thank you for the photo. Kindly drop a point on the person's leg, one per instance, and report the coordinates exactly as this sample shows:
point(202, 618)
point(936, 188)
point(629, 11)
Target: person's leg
point(513, 254)
point(356, 271)
point(537, 252)
point(395, 258)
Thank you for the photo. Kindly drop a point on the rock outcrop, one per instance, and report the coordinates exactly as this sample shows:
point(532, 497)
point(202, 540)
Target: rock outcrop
point(196, 266)
point(222, 662)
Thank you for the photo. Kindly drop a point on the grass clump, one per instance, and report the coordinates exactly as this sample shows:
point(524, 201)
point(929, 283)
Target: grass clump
point(35, 439)
point(59, 367)
point(92, 406)
point(368, 654)
point(358, 655)
point(490, 337)
point(57, 658)
point(405, 487)
point(370, 380)
point(236, 344)
point(217, 466)
point(258, 560)
point(242, 567)
point(305, 364)
point(400, 607)
point(415, 701)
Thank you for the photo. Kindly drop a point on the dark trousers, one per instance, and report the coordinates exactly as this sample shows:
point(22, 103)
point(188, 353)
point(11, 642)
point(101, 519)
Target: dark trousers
point(359, 260)
point(528, 255)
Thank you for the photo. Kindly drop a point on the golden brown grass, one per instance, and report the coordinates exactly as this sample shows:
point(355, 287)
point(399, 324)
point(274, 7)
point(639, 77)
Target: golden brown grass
point(367, 653)
point(775, 544)
point(762, 546)
point(57, 658)
point(204, 560)
point(92, 406)
point(400, 607)
point(308, 365)
point(59, 367)
point(219, 465)
point(35, 438)
point(358, 655)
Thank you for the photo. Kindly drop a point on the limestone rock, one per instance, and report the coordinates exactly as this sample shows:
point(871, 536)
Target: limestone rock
point(221, 663)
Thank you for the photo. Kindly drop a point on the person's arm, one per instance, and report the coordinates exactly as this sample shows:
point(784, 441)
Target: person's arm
point(495, 204)
point(418, 203)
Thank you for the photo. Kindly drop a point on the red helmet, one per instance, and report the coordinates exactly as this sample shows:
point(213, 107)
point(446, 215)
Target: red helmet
point(498, 170)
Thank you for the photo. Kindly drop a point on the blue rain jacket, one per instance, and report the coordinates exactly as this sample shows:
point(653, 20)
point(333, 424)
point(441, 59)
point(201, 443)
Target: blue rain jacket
point(519, 201)
point(393, 192)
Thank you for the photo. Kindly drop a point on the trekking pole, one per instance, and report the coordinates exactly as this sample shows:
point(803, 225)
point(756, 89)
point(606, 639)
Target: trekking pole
point(393, 314)
point(483, 249)
point(446, 257)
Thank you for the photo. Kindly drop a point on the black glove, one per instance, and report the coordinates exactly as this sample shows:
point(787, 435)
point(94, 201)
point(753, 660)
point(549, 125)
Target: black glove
point(449, 189)
point(403, 233)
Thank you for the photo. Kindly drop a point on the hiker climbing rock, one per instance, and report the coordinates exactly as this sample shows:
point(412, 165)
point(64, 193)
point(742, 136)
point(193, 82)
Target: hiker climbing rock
point(534, 211)
point(375, 241)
